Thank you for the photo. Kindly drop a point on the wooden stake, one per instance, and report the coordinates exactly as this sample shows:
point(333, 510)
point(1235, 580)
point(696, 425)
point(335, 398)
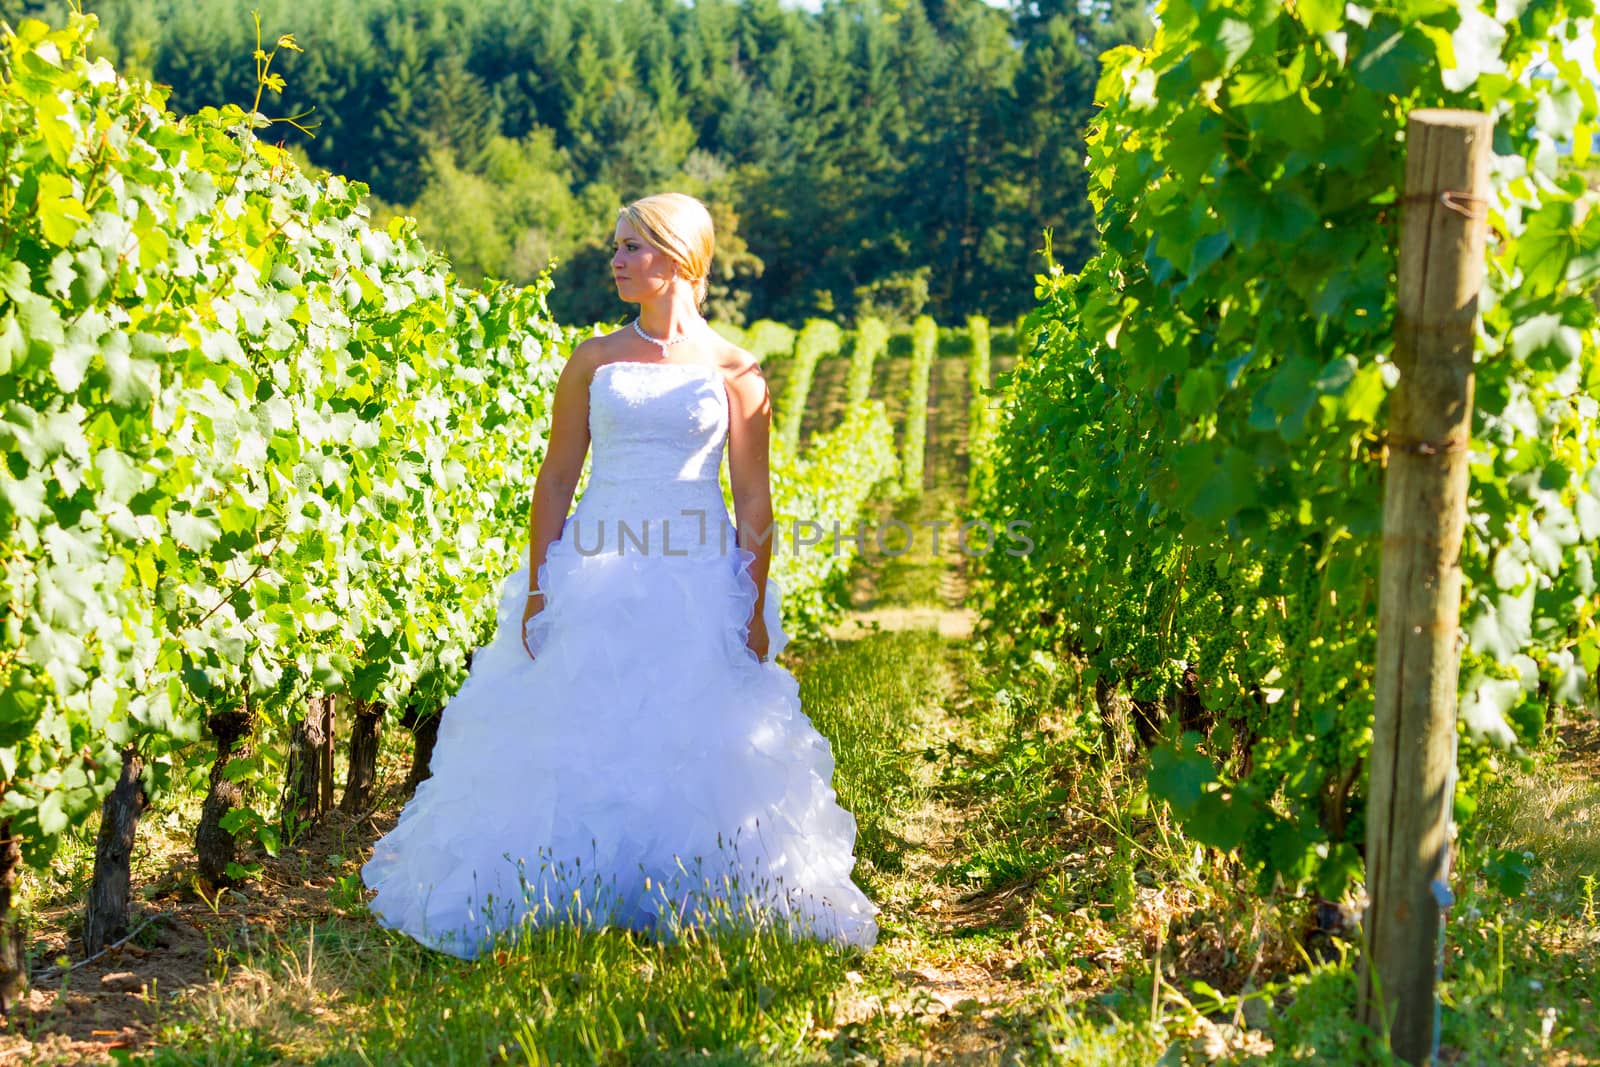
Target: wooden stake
point(1443, 229)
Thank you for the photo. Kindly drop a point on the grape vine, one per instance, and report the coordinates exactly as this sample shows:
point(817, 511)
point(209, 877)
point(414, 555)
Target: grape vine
point(1197, 429)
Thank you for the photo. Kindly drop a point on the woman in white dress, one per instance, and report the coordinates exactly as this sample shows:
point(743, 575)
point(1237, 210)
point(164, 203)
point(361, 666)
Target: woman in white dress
point(625, 750)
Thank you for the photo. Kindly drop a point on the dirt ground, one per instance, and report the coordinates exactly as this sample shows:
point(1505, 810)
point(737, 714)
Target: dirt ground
point(184, 947)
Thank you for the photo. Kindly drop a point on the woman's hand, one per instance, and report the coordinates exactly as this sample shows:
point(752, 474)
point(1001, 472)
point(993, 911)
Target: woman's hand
point(757, 641)
point(535, 605)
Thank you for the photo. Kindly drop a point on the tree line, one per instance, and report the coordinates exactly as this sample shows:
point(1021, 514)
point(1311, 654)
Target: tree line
point(882, 157)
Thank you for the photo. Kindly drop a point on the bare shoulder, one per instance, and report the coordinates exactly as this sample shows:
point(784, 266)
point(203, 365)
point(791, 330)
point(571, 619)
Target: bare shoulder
point(609, 339)
point(588, 354)
point(742, 373)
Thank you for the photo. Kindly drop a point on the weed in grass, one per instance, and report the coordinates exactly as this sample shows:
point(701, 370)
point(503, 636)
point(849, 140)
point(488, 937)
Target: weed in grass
point(862, 696)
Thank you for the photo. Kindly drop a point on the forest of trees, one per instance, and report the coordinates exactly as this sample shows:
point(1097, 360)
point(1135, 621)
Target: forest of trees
point(884, 156)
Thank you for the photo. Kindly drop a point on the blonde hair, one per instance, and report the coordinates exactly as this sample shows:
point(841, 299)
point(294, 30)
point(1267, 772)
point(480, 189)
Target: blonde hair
point(680, 226)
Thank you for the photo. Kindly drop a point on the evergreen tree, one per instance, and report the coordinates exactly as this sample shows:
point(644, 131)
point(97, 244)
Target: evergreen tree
point(871, 154)
point(398, 115)
point(1055, 94)
point(463, 116)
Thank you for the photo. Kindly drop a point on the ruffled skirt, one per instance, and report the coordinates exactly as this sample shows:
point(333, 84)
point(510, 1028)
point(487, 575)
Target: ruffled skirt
point(644, 770)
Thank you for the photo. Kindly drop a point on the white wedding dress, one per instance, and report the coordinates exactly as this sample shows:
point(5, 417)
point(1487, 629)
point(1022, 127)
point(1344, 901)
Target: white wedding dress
point(645, 769)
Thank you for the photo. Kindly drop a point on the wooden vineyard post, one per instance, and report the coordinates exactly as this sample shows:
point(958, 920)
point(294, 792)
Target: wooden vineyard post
point(1443, 229)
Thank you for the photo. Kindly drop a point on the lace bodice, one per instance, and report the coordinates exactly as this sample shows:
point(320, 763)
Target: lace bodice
point(657, 421)
point(656, 433)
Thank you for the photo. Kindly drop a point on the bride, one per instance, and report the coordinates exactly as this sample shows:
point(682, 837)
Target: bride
point(625, 750)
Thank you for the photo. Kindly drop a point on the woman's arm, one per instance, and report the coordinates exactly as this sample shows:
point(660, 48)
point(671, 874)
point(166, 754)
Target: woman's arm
point(749, 426)
point(563, 463)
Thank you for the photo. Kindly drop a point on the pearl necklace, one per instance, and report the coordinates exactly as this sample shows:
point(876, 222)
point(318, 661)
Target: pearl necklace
point(658, 340)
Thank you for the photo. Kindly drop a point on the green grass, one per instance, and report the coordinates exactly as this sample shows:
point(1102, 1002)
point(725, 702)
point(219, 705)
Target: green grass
point(1523, 976)
point(350, 992)
point(862, 696)
point(908, 581)
point(1104, 885)
point(908, 574)
point(1091, 886)
point(558, 996)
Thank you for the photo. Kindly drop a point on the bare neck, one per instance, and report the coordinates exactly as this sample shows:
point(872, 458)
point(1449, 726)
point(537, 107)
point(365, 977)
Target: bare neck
point(669, 318)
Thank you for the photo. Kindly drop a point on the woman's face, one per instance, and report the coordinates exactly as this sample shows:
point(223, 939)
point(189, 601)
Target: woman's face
point(640, 270)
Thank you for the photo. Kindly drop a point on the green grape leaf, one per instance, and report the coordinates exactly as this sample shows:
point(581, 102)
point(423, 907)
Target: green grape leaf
point(1485, 709)
point(13, 346)
point(59, 211)
point(1179, 776)
point(69, 363)
point(1321, 16)
point(194, 532)
point(1508, 872)
point(52, 815)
